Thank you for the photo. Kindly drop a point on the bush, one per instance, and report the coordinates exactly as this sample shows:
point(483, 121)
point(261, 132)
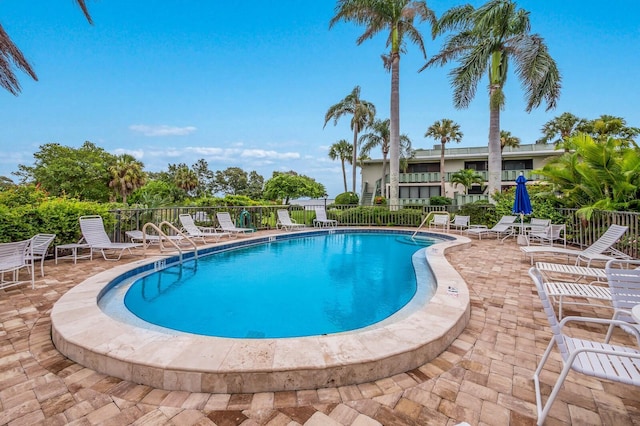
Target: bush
point(440, 201)
point(347, 198)
point(380, 201)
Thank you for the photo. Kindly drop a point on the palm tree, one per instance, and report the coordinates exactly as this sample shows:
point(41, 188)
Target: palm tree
point(396, 17)
point(559, 129)
point(343, 151)
point(609, 126)
point(11, 55)
point(380, 135)
point(444, 130)
point(362, 112)
point(126, 175)
point(507, 139)
point(185, 178)
point(466, 178)
point(487, 39)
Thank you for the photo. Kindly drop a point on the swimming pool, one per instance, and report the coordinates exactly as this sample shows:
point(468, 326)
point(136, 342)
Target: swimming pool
point(182, 361)
point(304, 286)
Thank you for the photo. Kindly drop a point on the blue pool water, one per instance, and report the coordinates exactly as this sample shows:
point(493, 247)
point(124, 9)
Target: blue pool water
point(288, 288)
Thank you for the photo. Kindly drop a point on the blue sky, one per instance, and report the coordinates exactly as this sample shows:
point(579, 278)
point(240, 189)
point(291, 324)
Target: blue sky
point(247, 84)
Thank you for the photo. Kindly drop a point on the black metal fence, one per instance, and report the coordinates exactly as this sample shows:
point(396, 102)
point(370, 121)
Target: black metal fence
point(580, 233)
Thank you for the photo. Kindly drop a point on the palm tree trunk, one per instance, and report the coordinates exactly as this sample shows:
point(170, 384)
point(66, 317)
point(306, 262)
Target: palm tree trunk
point(354, 160)
point(394, 131)
point(384, 174)
point(344, 175)
point(442, 191)
point(495, 154)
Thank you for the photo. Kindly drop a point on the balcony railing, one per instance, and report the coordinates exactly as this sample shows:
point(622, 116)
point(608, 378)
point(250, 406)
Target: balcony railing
point(434, 177)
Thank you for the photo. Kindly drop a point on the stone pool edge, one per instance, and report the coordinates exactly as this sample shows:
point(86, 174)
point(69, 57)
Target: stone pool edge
point(83, 333)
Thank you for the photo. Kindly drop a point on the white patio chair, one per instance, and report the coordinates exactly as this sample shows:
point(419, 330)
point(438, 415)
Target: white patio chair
point(460, 223)
point(549, 235)
point(94, 234)
point(201, 233)
point(440, 221)
point(589, 357)
point(623, 277)
point(321, 218)
point(285, 222)
point(13, 257)
point(38, 249)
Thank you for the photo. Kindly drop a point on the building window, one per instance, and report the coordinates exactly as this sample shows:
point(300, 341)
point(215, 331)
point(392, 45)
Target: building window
point(478, 166)
point(517, 164)
point(474, 190)
point(423, 167)
point(419, 191)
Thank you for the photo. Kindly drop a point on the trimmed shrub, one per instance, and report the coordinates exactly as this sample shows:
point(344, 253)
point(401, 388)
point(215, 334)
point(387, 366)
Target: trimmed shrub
point(347, 198)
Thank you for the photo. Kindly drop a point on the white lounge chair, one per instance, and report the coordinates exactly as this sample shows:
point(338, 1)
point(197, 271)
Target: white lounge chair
point(321, 218)
point(137, 236)
point(285, 222)
point(460, 223)
point(13, 257)
point(38, 249)
point(227, 225)
point(440, 221)
point(623, 277)
point(94, 234)
point(503, 227)
point(200, 233)
point(596, 251)
point(592, 358)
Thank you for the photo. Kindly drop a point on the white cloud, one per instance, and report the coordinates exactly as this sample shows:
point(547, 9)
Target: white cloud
point(162, 130)
point(136, 153)
point(261, 153)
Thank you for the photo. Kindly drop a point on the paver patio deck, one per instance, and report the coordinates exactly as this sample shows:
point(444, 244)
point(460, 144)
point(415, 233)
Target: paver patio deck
point(484, 378)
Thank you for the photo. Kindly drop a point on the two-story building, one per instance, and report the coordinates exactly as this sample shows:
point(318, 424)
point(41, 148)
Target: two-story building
point(422, 177)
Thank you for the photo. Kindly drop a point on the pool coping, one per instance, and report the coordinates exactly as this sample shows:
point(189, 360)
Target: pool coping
point(194, 363)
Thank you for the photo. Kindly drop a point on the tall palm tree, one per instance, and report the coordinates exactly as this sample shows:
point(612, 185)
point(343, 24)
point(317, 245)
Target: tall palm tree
point(185, 178)
point(362, 113)
point(609, 126)
point(559, 129)
point(507, 139)
point(487, 39)
point(444, 130)
point(343, 151)
point(127, 175)
point(380, 135)
point(396, 17)
point(11, 55)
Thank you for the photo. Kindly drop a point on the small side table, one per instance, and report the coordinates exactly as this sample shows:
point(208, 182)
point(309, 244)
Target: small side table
point(76, 252)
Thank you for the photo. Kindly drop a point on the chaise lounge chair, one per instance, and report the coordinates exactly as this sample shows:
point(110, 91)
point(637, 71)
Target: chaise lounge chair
point(321, 218)
point(460, 223)
point(623, 277)
point(503, 227)
point(595, 251)
point(96, 238)
point(137, 236)
point(200, 233)
point(285, 222)
point(224, 219)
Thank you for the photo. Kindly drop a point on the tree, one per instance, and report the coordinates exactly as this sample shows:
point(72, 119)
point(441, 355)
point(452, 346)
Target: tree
point(255, 186)
point(362, 113)
point(507, 139)
point(396, 17)
point(609, 126)
point(343, 151)
point(380, 135)
point(444, 130)
point(466, 178)
point(560, 128)
point(78, 172)
point(184, 178)
point(601, 175)
point(11, 55)
point(231, 181)
point(290, 185)
point(126, 176)
point(488, 38)
point(205, 178)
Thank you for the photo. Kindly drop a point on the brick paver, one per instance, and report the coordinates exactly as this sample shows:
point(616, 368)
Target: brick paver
point(483, 378)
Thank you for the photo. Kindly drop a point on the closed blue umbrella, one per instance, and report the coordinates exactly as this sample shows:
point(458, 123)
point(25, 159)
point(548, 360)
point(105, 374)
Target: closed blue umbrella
point(522, 203)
